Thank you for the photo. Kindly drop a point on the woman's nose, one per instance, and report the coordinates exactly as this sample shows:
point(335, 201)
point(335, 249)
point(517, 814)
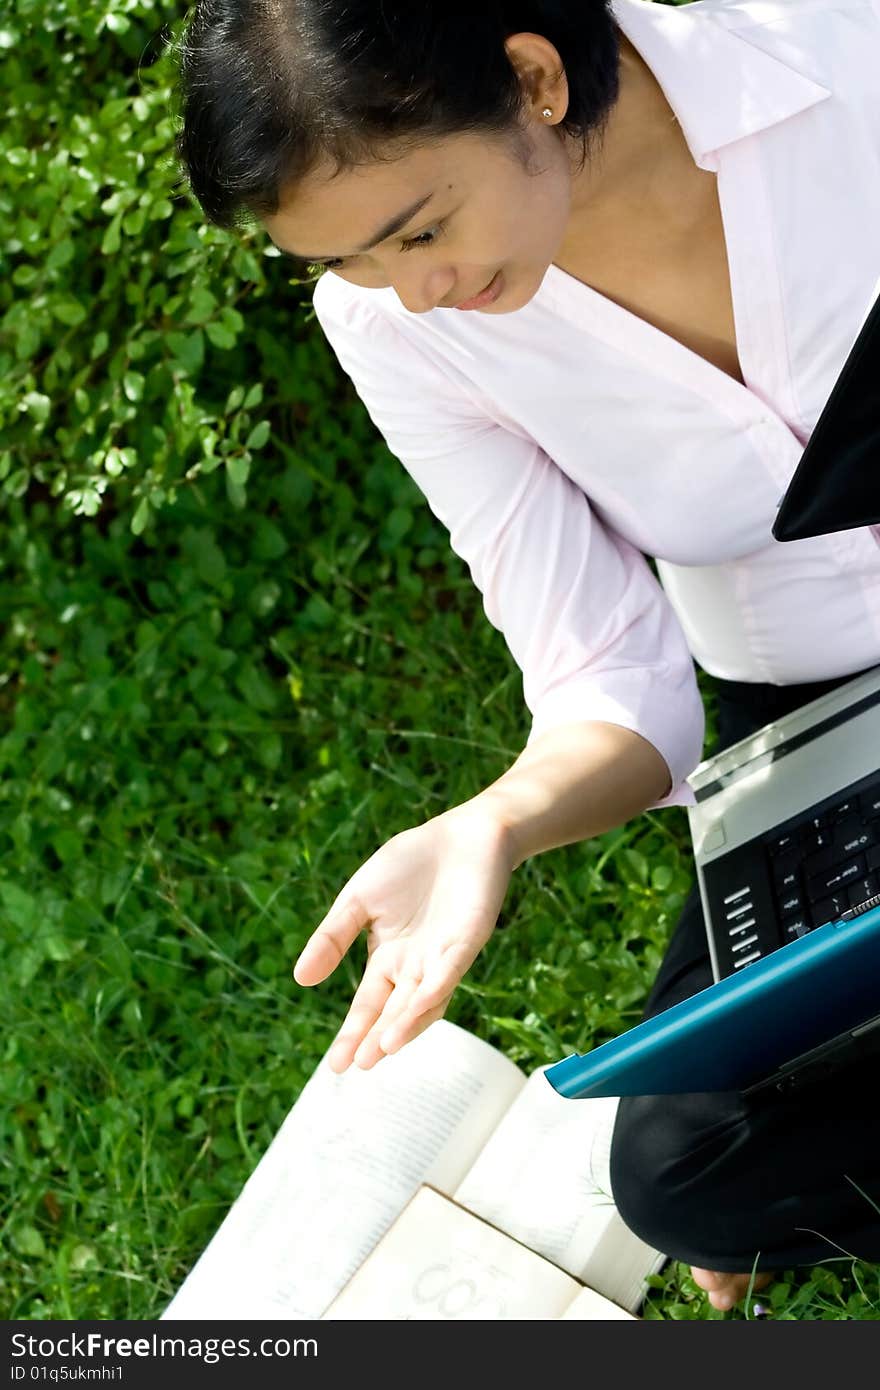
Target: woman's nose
point(420, 291)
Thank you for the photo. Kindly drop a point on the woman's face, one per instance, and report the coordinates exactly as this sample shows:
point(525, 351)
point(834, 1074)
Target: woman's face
point(484, 213)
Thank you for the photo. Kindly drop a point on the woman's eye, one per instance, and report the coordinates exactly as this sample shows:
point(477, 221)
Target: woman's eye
point(423, 239)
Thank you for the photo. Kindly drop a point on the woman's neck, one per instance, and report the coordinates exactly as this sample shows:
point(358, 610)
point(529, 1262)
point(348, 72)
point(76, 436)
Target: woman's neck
point(643, 160)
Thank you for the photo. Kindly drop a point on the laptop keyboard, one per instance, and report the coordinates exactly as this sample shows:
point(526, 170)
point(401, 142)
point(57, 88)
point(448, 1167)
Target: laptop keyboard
point(808, 872)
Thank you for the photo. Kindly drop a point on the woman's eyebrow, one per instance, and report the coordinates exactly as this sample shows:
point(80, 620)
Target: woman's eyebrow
point(396, 224)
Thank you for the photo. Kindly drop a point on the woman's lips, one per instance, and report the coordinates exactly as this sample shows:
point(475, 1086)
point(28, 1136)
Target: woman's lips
point(486, 296)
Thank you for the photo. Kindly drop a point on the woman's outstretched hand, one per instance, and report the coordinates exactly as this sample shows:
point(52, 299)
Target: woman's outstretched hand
point(429, 900)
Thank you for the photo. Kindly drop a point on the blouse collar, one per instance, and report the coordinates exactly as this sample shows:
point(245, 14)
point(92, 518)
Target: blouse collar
point(719, 82)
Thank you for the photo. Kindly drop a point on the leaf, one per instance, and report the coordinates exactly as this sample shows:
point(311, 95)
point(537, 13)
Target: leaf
point(203, 305)
point(27, 339)
point(399, 521)
point(57, 947)
point(69, 311)
point(269, 750)
point(238, 467)
point(209, 559)
point(22, 910)
point(141, 517)
point(17, 483)
point(236, 494)
point(259, 692)
point(90, 502)
point(111, 238)
point(133, 385)
point(37, 405)
point(133, 222)
point(220, 336)
point(637, 863)
point(83, 1257)
point(60, 255)
point(258, 435)
point(28, 1241)
point(263, 597)
point(68, 845)
point(188, 349)
point(268, 542)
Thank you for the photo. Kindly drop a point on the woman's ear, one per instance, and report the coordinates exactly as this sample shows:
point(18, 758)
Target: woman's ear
point(541, 75)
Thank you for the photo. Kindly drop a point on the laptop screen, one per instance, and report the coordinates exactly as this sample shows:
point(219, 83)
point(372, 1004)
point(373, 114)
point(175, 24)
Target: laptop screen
point(836, 485)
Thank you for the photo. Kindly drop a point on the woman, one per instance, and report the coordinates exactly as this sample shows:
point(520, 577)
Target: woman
point(593, 269)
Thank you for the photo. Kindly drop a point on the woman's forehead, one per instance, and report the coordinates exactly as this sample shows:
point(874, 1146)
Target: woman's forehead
point(393, 169)
point(329, 206)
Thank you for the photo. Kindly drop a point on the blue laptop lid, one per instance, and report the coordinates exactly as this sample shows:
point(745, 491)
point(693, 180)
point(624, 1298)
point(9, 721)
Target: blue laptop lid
point(730, 1035)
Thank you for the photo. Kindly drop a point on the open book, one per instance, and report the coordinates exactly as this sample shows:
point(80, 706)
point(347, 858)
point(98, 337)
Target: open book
point(447, 1111)
point(438, 1262)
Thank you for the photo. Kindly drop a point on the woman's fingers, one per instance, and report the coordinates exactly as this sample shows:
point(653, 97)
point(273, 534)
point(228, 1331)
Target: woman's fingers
point(411, 1025)
point(433, 992)
point(383, 991)
point(397, 1001)
point(441, 975)
point(368, 1002)
point(330, 940)
point(417, 955)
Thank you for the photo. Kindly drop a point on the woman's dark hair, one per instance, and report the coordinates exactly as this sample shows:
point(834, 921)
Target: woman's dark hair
point(270, 88)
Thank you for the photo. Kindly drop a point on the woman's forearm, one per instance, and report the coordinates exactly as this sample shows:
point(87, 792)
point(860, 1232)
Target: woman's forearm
point(574, 782)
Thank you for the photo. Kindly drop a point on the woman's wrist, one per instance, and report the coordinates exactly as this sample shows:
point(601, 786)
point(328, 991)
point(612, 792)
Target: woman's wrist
point(571, 783)
point(482, 820)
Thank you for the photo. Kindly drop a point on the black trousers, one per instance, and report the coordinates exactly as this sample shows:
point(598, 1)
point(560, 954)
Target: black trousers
point(727, 1184)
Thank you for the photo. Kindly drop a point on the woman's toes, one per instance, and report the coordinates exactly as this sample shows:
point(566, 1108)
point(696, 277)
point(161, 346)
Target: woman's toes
point(724, 1289)
point(719, 1287)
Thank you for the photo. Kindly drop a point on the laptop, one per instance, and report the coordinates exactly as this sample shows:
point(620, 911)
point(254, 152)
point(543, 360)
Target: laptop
point(786, 835)
point(835, 485)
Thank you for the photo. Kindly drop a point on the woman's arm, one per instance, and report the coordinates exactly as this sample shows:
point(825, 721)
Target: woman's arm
point(584, 618)
point(429, 898)
point(571, 783)
point(617, 720)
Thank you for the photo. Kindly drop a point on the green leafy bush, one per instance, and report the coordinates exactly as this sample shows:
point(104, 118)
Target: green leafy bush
point(129, 327)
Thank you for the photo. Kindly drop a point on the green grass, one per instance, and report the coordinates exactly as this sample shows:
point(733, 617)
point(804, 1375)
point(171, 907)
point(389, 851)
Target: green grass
point(206, 730)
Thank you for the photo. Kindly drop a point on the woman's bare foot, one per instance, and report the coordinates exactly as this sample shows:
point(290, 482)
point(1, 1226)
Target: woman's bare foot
point(726, 1289)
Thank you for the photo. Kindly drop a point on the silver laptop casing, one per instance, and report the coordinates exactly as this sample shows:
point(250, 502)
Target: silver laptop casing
point(782, 770)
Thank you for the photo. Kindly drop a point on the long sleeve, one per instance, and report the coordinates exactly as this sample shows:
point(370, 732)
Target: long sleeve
point(582, 615)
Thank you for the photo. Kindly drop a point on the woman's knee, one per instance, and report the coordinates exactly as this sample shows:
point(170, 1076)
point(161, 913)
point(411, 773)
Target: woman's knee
point(666, 1153)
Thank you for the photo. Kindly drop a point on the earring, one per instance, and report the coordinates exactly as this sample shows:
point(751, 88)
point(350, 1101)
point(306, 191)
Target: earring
point(547, 113)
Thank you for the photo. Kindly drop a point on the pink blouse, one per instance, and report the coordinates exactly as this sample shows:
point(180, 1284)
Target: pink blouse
point(562, 443)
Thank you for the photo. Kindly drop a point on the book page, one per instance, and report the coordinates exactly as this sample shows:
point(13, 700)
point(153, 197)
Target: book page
point(587, 1304)
point(543, 1176)
point(348, 1157)
point(439, 1262)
